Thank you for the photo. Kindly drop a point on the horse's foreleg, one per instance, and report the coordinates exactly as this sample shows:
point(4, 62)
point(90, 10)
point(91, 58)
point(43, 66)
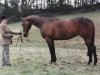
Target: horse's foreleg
point(50, 43)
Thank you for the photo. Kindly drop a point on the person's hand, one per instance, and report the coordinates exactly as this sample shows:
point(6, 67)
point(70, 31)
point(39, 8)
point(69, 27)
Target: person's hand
point(11, 36)
point(20, 33)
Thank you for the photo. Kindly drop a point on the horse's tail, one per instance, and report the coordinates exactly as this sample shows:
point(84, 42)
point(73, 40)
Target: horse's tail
point(93, 37)
point(93, 34)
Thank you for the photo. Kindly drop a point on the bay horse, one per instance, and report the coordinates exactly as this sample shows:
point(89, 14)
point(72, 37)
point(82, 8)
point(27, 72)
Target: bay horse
point(53, 28)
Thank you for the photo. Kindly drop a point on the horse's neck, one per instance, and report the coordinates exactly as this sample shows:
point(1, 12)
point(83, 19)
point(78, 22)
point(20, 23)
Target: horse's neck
point(38, 22)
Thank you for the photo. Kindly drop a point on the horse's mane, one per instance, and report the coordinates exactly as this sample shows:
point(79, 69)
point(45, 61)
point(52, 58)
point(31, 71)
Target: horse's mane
point(31, 17)
point(49, 19)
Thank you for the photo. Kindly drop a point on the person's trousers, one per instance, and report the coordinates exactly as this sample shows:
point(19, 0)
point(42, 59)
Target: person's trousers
point(5, 54)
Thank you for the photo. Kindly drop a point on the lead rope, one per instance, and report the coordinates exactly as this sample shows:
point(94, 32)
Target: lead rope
point(21, 39)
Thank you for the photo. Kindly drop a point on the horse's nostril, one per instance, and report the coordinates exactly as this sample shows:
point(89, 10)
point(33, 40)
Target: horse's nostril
point(25, 36)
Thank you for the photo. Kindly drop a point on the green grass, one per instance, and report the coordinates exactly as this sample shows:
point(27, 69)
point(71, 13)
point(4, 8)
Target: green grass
point(34, 57)
point(91, 15)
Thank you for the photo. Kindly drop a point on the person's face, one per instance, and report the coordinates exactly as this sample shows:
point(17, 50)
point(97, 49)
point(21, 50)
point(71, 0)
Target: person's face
point(5, 21)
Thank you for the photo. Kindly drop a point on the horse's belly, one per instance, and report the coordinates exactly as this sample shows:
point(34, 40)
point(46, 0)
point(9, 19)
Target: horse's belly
point(64, 36)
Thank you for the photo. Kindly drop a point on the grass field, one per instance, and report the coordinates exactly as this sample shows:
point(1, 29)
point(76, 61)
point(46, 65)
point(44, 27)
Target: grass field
point(34, 57)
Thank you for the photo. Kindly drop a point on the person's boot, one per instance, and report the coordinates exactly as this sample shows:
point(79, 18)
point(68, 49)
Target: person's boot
point(3, 62)
point(8, 64)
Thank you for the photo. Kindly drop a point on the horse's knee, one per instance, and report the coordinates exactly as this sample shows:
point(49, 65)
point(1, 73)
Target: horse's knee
point(89, 51)
point(94, 48)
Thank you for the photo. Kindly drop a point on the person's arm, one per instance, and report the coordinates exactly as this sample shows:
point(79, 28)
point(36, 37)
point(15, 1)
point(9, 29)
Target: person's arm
point(14, 33)
point(3, 33)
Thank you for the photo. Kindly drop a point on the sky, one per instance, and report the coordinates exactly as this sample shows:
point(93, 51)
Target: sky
point(72, 1)
point(2, 1)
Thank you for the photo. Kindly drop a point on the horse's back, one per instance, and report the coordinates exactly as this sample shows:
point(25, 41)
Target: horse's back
point(60, 29)
point(66, 29)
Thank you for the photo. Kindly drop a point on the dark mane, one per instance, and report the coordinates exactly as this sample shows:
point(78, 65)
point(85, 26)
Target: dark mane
point(49, 19)
point(30, 17)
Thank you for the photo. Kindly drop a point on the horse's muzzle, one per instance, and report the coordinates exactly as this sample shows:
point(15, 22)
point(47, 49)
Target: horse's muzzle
point(25, 34)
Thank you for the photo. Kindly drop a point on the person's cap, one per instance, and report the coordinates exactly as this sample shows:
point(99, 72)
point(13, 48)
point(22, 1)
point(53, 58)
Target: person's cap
point(3, 17)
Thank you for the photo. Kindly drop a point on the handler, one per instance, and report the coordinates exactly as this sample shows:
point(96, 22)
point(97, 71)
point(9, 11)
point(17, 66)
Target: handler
point(6, 40)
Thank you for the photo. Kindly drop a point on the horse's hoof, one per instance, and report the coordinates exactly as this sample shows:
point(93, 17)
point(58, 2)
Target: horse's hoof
point(53, 62)
point(88, 63)
point(95, 64)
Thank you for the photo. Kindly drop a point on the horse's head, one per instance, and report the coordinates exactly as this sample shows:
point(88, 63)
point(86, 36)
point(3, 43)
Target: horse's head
point(26, 24)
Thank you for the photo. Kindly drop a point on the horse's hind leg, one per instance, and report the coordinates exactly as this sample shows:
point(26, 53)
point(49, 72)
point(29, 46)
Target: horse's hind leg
point(95, 55)
point(89, 54)
point(91, 50)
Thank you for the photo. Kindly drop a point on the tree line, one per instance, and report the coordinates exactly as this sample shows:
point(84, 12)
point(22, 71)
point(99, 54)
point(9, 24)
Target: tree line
point(47, 7)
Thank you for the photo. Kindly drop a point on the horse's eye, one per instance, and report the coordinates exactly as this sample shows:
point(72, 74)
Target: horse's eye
point(24, 30)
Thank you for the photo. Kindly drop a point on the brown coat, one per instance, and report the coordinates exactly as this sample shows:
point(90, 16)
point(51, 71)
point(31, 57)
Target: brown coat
point(6, 35)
